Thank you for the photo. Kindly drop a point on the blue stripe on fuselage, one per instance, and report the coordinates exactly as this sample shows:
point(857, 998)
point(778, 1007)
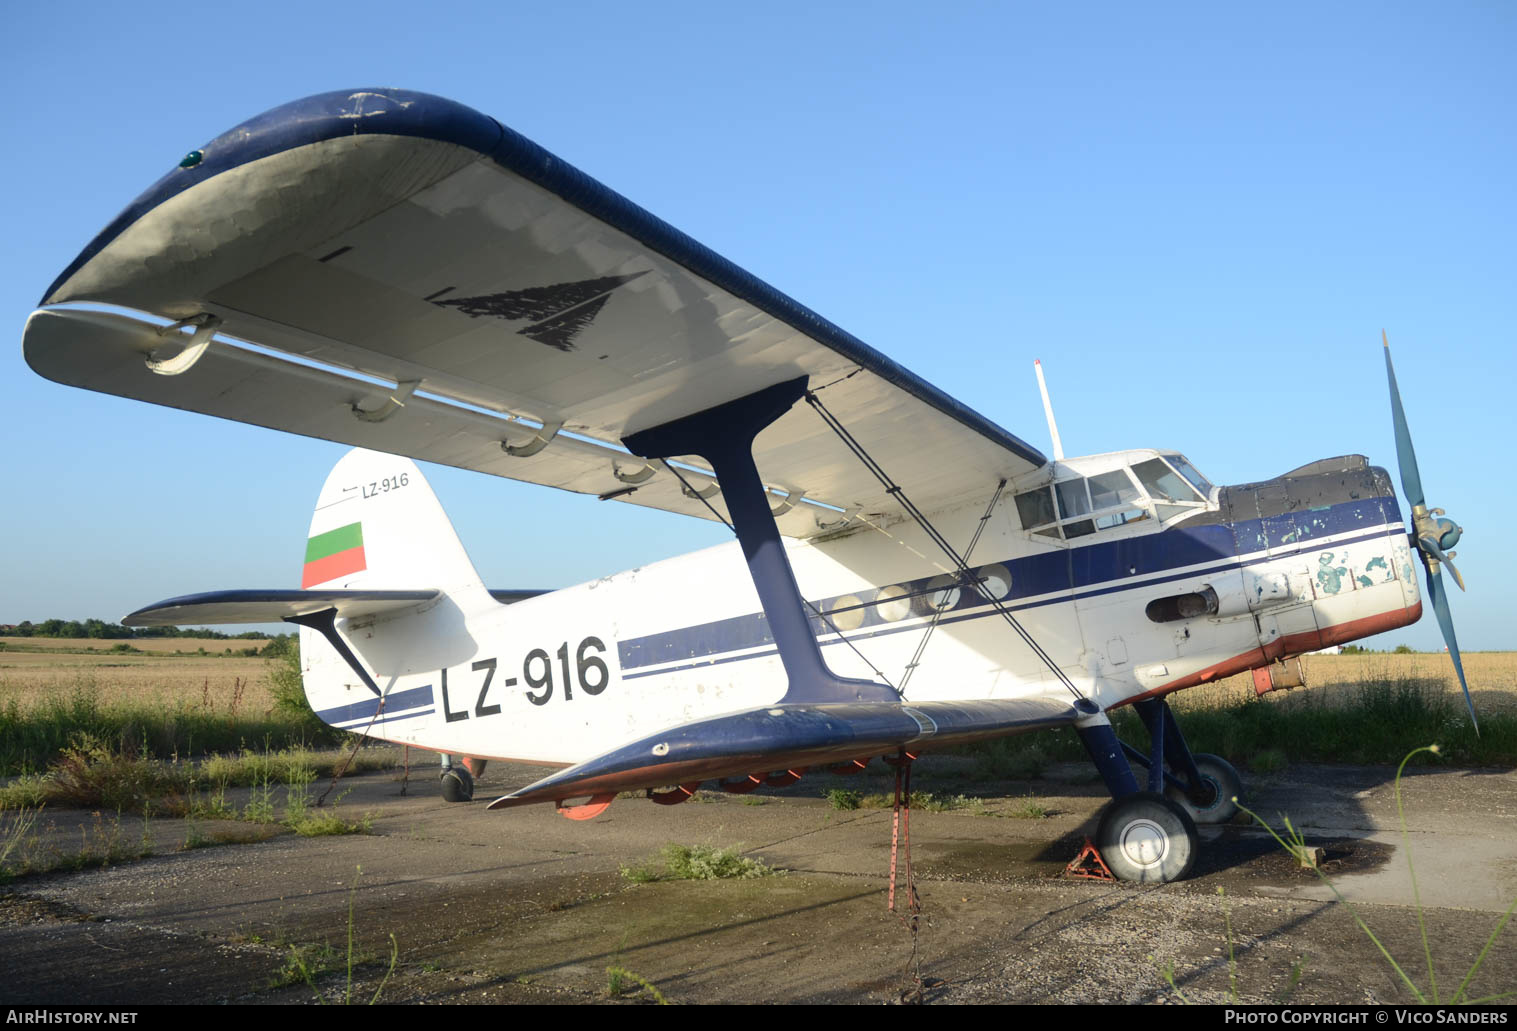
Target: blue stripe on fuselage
point(1079, 572)
point(397, 702)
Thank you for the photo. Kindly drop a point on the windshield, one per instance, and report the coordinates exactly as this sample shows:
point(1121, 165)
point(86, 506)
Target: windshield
point(1189, 472)
point(1163, 483)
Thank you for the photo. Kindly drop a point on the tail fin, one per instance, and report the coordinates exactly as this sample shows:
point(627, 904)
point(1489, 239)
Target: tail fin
point(378, 526)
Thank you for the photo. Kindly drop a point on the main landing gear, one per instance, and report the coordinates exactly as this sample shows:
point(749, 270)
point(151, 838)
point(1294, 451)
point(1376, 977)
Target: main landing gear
point(458, 781)
point(1149, 836)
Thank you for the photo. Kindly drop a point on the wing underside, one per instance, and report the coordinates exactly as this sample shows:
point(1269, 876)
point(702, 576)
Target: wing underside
point(394, 271)
point(790, 737)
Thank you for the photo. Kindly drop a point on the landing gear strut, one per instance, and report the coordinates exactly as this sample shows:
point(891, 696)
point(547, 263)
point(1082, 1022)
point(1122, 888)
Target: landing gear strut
point(1150, 836)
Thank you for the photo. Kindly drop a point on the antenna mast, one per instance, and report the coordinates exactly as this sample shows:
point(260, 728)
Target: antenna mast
point(1053, 428)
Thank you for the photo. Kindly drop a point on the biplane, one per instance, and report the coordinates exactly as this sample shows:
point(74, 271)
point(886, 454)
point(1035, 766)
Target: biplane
point(397, 272)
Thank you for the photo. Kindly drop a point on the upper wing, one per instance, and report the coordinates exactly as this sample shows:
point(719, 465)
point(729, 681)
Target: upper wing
point(420, 280)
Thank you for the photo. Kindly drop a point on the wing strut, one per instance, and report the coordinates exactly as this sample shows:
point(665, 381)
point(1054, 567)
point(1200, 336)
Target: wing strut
point(724, 437)
point(967, 577)
point(325, 623)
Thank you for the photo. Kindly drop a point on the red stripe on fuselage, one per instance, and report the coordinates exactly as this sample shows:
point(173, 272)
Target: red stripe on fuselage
point(1294, 644)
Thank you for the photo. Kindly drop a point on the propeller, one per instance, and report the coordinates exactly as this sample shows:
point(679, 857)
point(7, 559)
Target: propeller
point(1435, 536)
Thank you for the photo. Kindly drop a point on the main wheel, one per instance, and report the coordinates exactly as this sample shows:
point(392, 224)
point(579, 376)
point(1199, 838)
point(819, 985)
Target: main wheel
point(457, 785)
point(1147, 838)
point(1213, 802)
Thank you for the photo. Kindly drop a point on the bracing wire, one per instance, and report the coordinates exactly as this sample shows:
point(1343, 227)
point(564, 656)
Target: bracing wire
point(966, 575)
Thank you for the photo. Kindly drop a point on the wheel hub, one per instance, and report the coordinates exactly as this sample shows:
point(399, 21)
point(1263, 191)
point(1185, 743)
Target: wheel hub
point(1144, 843)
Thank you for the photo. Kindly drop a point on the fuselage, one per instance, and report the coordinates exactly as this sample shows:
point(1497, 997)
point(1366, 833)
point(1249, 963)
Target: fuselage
point(1140, 589)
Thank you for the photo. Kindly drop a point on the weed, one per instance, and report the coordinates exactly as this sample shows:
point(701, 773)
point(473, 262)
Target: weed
point(89, 773)
point(215, 807)
point(755, 800)
point(315, 825)
point(844, 798)
point(617, 979)
point(1029, 809)
point(1295, 845)
point(642, 873)
point(195, 838)
point(15, 835)
point(260, 807)
point(923, 800)
point(706, 862)
point(307, 963)
point(697, 863)
point(28, 790)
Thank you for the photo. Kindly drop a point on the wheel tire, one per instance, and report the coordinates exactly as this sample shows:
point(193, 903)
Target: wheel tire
point(1225, 784)
point(1148, 839)
point(457, 785)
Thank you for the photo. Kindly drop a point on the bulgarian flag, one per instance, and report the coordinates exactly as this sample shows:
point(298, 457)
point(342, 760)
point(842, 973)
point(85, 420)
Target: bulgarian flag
point(333, 554)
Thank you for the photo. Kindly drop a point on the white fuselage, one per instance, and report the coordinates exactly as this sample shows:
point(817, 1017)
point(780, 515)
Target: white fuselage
point(569, 675)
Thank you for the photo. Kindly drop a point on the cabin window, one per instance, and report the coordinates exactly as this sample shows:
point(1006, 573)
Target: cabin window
point(1035, 509)
point(1073, 501)
point(1109, 490)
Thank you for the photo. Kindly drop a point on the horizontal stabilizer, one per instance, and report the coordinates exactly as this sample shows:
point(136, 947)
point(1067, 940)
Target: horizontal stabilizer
point(783, 737)
point(254, 606)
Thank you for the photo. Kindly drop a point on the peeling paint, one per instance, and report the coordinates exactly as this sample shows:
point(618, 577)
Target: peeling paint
point(1329, 576)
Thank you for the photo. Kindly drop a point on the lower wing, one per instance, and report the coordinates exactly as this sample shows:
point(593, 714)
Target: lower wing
point(787, 737)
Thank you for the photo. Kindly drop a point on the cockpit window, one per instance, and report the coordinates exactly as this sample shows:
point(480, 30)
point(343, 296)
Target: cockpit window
point(1189, 472)
point(1163, 483)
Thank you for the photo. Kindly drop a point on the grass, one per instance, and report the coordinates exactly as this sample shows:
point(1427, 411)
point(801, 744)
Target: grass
point(103, 841)
point(34, 736)
point(1028, 809)
point(697, 863)
point(307, 963)
point(1377, 719)
point(618, 978)
point(90, 775)
point(1293, 843)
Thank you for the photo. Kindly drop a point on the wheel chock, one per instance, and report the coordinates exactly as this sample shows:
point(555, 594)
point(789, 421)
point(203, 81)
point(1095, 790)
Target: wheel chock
point(1089, 865)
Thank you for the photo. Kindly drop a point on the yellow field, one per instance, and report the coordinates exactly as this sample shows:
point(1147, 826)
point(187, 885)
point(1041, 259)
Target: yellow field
point(155, 645)
point(1492, 678)
point(221, 683)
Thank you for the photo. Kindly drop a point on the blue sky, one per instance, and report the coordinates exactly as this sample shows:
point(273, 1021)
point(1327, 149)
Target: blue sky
point(1198, 216)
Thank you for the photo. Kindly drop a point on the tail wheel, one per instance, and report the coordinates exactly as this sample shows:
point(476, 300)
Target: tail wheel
point(1148, 839)
point(1214, 798)
point(457, 785)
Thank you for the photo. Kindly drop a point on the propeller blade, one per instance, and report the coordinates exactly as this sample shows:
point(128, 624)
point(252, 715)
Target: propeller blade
point(1446, 623)
point(1429, 545)
point(1406, 457)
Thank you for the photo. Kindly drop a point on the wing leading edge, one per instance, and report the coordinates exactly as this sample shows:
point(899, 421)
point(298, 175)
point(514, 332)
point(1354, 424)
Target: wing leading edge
point(420, 256)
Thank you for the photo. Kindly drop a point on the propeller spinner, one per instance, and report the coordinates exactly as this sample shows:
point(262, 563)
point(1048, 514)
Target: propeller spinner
point(1435, 537)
